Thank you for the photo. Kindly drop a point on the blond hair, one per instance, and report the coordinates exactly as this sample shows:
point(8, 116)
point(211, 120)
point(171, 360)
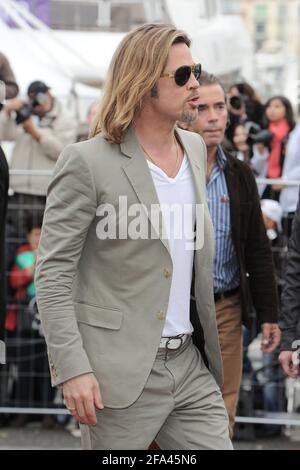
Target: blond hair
point(136, 66)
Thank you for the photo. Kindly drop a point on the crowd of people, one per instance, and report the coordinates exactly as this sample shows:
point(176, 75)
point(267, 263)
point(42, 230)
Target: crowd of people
point(245, 139)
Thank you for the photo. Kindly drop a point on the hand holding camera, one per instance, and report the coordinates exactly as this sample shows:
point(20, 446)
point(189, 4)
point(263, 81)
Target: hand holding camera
point(22, 108)
point(258, 136)
point(14, 104)
point(30, 128)
point(22, 116)
point(39, 103)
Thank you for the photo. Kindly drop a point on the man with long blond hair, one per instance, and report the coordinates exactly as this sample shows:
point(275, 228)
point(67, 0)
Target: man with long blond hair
point(116, 263)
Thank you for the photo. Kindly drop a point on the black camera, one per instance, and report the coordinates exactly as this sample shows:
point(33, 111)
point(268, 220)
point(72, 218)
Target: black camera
point(27, 110)
point(24, 113)
point(236, 102)
point(256, 135)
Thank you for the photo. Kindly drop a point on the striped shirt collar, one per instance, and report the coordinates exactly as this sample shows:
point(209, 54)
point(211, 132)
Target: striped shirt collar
point(221, 158)
point(218, 167)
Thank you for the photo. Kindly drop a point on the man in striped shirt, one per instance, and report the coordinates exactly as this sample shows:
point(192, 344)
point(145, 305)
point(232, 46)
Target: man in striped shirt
point(243, 266)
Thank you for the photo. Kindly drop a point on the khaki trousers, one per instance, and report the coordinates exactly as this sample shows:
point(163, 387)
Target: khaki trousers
point(229, 323)
point(181, 407)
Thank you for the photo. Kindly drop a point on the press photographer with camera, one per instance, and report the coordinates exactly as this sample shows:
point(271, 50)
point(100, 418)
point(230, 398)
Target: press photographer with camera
point(236, 112)
point(243, 95)
point(41, 128)
point(243, 106)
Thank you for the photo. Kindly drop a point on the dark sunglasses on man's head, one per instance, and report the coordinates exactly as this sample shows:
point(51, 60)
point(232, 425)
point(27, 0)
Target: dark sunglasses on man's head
point(183, 74)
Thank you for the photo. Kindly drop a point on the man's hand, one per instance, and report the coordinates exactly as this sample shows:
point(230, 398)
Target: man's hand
point(82, 395)
point(14, 105)
point(289, 364)
point(270, 337)
point(30, 128)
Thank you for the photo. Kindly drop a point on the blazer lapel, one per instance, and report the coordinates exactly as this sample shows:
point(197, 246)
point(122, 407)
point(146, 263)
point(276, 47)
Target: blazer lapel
point(139, 176)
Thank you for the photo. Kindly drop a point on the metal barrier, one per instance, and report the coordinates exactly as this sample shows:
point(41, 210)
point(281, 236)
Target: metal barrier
point(24, 380)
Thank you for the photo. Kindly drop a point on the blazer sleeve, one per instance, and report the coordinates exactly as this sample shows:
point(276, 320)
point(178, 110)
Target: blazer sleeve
point(70, 209)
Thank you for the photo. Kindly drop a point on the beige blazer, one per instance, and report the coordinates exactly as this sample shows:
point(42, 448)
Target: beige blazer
point(103, 303)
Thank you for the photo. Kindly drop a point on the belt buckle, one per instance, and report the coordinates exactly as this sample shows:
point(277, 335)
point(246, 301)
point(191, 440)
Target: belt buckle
point(176, 338)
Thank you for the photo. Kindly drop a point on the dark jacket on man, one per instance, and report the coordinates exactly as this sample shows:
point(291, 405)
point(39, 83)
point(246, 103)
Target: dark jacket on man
point(8, 77)
point(3, 207)
point(258, 286)
point(289, 322)
point(257, 276)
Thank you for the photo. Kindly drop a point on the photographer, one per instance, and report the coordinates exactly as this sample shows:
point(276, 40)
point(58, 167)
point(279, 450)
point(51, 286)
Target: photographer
point(236, 112)
point(244, 93)
point(243, 106)
point(41, 128)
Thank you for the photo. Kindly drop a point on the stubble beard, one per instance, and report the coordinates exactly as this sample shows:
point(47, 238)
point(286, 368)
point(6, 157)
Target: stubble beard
point(188, 116)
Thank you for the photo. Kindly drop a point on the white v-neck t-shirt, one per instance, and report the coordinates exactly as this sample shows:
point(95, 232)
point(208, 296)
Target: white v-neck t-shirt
point(178, 205)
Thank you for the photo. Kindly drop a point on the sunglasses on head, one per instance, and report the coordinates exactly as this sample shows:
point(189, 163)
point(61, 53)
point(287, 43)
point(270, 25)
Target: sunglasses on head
point(183, 74)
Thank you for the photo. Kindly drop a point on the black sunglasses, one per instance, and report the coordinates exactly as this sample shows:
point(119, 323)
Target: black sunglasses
point(183, 74)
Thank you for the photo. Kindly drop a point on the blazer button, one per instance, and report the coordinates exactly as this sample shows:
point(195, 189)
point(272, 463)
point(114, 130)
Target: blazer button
point(167, 273)
point(160, 315)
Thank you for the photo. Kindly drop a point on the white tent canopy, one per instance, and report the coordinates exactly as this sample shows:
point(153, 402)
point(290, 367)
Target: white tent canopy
point(62, 58)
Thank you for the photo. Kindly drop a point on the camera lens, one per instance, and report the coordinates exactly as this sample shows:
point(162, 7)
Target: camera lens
point(23, 113)
point(236, 102)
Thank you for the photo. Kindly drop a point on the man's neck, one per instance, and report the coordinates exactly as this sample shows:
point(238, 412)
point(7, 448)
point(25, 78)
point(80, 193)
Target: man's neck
point(153, 132)
point(211, 159)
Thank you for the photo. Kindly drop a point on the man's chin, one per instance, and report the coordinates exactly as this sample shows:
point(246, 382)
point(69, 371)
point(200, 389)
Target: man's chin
point(212, 142)
point(189, 116)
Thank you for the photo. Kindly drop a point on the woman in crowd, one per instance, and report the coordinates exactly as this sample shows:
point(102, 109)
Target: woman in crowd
point(281, 156)
point(241, 147)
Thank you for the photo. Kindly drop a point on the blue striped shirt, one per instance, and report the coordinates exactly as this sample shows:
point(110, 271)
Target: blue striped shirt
point(226, 270)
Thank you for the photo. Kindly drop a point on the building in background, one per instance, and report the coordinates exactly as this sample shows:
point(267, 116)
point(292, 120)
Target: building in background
point(231, 7)
point(83, 35)
point(274, 26)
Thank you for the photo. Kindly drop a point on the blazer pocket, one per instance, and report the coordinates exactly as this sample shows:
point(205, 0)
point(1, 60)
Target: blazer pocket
point(102, 317)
